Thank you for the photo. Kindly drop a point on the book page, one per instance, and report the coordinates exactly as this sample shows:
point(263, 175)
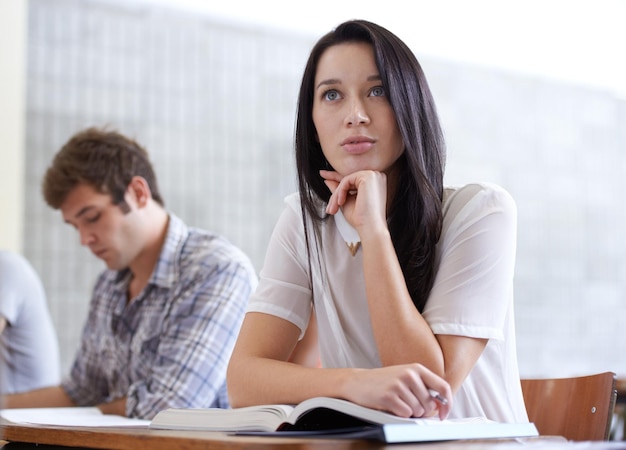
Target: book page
point(332, 413)
point(352, 409)
point(251, 418)
point(70, 417)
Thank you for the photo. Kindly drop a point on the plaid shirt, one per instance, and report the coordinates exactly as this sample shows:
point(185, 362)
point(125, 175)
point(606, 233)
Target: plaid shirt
point(170, 346)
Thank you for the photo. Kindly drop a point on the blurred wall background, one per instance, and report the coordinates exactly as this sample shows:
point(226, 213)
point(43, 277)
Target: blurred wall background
point(13, 32)
point(214, 103)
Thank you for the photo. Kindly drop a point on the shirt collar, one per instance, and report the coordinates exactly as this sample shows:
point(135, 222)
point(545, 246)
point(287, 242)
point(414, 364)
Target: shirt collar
point(166, 271)
point(347, 231)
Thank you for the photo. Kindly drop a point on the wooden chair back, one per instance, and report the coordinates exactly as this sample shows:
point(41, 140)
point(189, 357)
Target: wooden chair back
point(577, 408)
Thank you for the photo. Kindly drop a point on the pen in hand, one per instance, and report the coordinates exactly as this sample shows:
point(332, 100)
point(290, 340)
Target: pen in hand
point(437, 396)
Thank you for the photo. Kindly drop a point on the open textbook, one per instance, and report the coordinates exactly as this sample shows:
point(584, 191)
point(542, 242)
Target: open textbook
point(339, 418)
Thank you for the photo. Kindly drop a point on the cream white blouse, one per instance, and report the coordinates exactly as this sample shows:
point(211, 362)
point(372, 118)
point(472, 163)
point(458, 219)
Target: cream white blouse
point(472, 293)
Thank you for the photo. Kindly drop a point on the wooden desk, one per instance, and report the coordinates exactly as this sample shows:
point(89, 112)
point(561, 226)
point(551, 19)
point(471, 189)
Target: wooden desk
point(137, 439)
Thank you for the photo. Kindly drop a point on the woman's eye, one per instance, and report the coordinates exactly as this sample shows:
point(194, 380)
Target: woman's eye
point(378, 91)
point(331, 95)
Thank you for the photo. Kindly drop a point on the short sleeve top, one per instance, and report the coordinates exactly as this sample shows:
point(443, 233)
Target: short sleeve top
point(29, 350)
point(472, 293)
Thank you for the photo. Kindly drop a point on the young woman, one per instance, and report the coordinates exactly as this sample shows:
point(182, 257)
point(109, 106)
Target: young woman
point(410, 283)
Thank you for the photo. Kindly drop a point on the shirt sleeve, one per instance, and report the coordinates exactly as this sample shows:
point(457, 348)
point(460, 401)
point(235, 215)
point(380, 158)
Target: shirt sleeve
point(87, 383)
point(284, 287)
point(15, 280)
point(473, 287)
point(189, 369)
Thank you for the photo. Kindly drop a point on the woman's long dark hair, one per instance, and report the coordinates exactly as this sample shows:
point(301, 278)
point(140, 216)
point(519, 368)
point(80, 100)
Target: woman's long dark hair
point(415, 213)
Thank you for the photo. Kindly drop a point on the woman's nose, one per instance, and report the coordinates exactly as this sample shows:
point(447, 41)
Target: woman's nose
point(357, 114)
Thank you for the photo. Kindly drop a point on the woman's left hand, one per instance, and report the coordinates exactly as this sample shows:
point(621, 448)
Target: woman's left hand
point(362, 197)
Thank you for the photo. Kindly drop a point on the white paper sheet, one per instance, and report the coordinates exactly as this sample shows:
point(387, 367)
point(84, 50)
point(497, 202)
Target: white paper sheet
point(71, 417)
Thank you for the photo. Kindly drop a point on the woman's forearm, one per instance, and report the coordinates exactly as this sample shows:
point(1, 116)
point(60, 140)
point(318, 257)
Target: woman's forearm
point(401, 333)
point(255, 381)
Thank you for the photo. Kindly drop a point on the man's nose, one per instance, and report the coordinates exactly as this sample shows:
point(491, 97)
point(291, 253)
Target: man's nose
point(86, 237)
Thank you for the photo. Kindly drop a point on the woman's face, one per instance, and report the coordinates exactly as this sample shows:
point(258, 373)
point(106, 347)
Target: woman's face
point(355, 124)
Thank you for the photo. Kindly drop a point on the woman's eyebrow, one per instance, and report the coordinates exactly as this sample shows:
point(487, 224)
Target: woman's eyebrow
point(327, 82)
point(375, 77)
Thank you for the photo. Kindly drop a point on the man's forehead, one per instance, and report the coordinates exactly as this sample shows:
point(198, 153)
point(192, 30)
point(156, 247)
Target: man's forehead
point(82, 198)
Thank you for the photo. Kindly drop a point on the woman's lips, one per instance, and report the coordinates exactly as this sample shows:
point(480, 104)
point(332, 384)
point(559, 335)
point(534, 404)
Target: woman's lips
point(357, 144)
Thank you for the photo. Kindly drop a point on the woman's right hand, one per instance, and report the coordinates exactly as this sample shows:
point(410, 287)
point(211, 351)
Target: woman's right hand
point(401, 390)
point(362, 197)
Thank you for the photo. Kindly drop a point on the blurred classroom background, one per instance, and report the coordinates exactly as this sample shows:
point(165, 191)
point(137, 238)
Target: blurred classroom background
point(531, 96)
